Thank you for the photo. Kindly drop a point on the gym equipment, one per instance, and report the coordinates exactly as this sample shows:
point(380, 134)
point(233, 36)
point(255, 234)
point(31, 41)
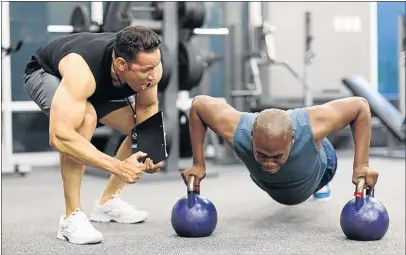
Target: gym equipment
point(193, 215)
point(388, 114)
point(12, 162)
point(308, 58)
point(11, 49)
point(265, 56)
point(190, 14)
point(166, 60)
point(364, 218)
point(195, 13)
point(80, 21)
point(191, 66)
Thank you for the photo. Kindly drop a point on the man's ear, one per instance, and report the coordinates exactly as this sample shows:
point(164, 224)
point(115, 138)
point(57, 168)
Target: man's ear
point(120, 63)
point(293, 138)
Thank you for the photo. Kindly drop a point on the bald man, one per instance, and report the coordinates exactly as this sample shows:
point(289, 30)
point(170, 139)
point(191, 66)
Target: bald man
point(286, 152)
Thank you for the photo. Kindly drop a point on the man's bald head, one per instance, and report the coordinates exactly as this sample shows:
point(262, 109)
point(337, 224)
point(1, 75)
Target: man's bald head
point(272, 137)
point(273, 123)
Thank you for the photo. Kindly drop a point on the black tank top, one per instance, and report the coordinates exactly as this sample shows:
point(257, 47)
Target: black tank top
point(96, 49)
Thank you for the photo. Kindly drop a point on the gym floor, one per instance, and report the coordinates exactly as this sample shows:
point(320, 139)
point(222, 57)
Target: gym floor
point(250, 222)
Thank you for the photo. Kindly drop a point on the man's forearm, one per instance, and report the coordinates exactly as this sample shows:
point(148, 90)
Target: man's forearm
point(80, 149)
point(197, 135)
point(361, 132)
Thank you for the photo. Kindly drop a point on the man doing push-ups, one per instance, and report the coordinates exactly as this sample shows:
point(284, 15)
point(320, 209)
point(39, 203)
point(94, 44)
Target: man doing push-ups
point(286, 152)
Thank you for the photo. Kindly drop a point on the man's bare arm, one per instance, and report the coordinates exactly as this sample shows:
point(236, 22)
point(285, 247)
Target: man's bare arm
point(216, 114)
point(336, 115)
point(68, 112)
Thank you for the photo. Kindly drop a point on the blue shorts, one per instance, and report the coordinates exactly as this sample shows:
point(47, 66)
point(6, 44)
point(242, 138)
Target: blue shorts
point(331, 164)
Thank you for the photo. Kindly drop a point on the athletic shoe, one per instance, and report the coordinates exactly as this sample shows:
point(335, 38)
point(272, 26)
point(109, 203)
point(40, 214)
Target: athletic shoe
point(117, 210)
point(77, 229)
point(323, 194)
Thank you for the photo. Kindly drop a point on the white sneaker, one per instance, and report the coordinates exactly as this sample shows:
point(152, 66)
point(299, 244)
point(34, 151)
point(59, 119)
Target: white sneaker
point(117, 210)
point(77, 229)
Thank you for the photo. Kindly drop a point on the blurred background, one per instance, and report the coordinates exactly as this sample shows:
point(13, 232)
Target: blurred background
point(254, 55)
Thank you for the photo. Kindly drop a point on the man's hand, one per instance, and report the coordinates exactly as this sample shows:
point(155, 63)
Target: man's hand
point(150, 167)
point(370, 175)
point(199, 171)
point(131, 169)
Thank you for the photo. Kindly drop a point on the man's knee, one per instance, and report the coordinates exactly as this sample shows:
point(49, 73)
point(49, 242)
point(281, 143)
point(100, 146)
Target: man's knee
point(121, 119)
point(89, 122)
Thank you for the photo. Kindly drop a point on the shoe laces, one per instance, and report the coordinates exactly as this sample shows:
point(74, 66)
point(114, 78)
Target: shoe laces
point(81, 217)
point(119, 202)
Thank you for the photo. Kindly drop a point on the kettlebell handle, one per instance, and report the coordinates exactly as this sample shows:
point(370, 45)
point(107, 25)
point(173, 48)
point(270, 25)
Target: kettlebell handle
point(191, 185)
point(360, 186)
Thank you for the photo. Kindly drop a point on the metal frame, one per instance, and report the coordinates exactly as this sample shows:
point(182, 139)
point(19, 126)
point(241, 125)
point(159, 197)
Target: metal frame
point(308, 57)
point(393, 149)
point(258, 14)
point(22, 162)
point(234, 53)
point(233, 71)
point(11, 162)
point(170, 33)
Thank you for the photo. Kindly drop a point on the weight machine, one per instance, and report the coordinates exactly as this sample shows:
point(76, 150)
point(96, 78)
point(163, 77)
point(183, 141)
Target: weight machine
point(262, 54)
point(392, 118)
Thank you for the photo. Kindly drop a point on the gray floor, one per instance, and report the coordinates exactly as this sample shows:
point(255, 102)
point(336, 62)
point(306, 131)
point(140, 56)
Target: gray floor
point(249, 221)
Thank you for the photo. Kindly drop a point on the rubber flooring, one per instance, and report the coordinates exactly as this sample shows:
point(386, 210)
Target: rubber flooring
point(249, 221)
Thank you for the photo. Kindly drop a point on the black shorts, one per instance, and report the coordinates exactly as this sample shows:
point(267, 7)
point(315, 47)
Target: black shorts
point(41, 87)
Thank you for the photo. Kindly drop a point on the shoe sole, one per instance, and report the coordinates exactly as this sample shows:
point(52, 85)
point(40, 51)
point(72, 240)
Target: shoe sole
point(65, 237)
point(105, 219)
point(322, 198)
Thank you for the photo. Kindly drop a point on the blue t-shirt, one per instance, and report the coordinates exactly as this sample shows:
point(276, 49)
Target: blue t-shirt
point(299, 177)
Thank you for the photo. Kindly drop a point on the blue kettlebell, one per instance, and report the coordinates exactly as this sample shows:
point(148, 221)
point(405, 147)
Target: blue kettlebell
point(193, 215)
point(364, 218)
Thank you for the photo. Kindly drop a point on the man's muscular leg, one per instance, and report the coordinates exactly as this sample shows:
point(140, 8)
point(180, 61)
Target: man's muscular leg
point(72, 170)
point(115, 184)
point(120, 120)
point(74, 226)
point(110, 207)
